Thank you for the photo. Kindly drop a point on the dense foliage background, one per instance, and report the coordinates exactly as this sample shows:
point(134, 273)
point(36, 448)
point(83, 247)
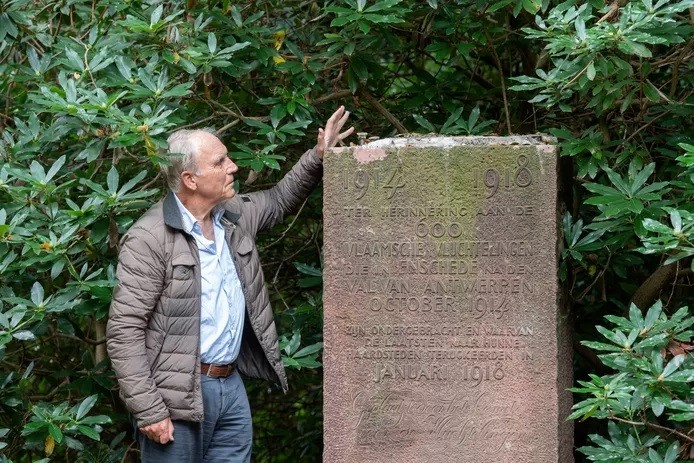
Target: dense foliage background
point(92, 87)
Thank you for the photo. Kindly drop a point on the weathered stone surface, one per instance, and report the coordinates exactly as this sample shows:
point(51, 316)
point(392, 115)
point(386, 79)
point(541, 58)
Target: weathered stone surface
point(445, 339)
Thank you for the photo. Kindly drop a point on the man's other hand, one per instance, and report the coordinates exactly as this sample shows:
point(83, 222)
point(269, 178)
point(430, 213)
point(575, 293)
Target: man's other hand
point(331, 136)
point(161, 432)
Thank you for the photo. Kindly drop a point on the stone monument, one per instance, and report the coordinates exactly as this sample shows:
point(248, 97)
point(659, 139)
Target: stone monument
point(445, 336)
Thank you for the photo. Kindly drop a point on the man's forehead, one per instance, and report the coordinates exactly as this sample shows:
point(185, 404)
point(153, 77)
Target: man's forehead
point(212, 144)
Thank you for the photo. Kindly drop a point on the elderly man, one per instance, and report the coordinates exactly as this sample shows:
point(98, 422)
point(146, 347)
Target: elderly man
point(191, 309)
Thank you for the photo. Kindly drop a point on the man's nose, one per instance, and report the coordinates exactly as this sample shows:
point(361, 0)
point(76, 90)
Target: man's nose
point(233, 168)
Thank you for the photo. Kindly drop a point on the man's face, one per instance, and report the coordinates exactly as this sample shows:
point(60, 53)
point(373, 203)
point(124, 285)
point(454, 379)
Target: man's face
point(215, 171)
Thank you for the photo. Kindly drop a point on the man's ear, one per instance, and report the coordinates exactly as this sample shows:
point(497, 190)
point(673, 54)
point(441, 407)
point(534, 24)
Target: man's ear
point(188, 180)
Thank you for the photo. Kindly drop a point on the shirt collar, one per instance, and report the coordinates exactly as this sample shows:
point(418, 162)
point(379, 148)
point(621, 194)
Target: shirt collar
point(190, 223)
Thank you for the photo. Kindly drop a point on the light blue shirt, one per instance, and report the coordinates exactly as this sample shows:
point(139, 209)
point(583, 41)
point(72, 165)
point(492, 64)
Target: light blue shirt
point(222, 301)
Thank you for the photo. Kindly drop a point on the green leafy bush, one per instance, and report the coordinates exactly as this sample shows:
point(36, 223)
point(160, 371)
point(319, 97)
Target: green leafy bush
point(650, 395)
point(92, 88)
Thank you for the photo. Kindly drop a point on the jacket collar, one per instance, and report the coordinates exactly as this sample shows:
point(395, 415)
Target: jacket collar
point(172, 215)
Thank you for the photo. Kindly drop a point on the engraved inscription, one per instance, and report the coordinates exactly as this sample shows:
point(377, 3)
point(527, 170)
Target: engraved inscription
point(463, 268)
point(386, 249)
point(462, 211)
point(492, 180)
point(390, 182)
point(439, 281)
point(473, 249)
point(371, 286)
point(448, 352)
point(415, 372)
point(451, 422)
point(357, 211)
point(393, 184)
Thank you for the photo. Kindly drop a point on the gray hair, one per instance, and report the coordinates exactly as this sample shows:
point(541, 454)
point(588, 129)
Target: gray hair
point(186, 143)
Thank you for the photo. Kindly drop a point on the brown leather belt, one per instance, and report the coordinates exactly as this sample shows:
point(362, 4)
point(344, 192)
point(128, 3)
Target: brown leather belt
point(217, 371)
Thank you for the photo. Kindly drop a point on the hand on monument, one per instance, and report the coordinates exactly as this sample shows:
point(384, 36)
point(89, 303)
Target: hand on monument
point(330, 136)
point(160, 432)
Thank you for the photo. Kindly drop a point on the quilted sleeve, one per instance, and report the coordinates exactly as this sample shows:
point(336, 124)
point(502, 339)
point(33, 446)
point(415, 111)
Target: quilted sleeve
point(267, 208)
point(141, 270)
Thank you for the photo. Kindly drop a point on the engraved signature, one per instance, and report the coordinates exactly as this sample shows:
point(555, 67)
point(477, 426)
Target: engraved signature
point(394, 417)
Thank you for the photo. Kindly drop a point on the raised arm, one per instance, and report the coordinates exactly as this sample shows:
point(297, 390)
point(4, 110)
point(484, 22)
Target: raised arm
point(264, 209)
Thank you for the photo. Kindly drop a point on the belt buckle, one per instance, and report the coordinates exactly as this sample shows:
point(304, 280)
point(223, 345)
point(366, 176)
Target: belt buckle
point(220, 371)
point(216, 371)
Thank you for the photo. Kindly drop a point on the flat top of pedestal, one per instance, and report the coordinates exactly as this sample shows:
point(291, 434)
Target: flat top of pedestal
point(434, 141)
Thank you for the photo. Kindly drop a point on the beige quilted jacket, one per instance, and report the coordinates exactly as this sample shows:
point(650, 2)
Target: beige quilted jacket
point(153, 332)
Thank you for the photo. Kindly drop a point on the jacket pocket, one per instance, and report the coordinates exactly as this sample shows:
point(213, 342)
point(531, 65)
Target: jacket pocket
point(183, 267)
point(245, 246)
point(183, 285)
point(246, 260)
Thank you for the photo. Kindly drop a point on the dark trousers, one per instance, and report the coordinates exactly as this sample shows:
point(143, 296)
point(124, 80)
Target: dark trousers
point(226, 434)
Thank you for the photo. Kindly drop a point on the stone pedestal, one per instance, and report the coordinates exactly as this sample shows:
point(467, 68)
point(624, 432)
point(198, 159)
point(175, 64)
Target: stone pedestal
point(445, 338)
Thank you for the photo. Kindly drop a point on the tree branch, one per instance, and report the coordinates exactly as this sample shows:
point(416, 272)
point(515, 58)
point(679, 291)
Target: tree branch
point(503, 84)
point(91, 342)
point(227, 127)
point(127, 451)
point(614, 8)
point(383, 111)
point(195, 124)
point(333, 96)
point(288, 258)
point(100, 353)
point(650, 289)
point(654, 426)
point(52, 394)
point(284, 233)
point(235, 114)
point(678, 62)
point(481, 81)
